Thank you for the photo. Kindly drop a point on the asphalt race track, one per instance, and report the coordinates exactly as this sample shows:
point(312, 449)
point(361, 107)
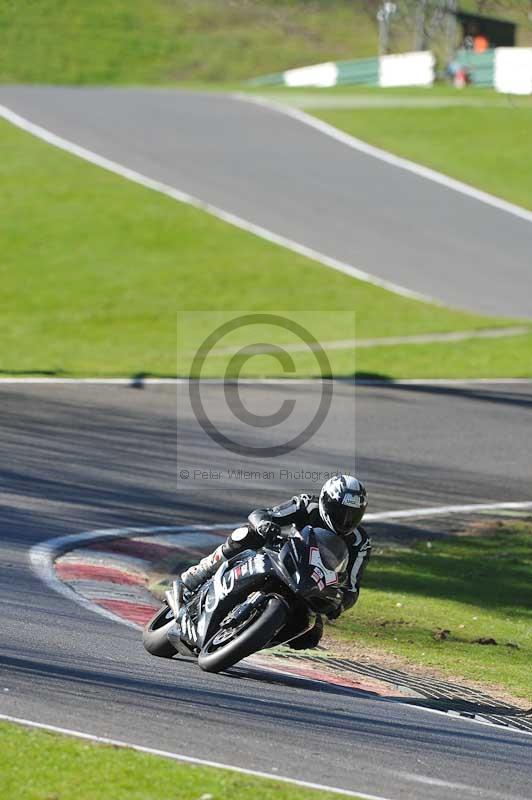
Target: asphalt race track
point(83, 457)
point(281, 174)
point(80, 457)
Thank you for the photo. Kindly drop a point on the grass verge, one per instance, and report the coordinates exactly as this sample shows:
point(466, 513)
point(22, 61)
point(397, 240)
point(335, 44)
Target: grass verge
point(95, 269)
point(431, 602)
point(156, 41)
point(509, 357)
point(487, 147)
point(38, 765)
point(160, 41)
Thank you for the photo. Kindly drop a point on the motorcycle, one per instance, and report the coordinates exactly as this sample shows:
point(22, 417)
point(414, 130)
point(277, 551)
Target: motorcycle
point(255, 600)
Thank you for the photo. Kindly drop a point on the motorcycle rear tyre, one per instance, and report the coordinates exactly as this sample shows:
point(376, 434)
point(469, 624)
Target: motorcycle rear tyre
point(251, 640)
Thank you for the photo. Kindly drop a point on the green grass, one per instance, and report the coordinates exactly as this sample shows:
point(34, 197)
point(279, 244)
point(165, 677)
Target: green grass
point(486, 147)
point(509, 357)
point(474, 586)
point(165, 41)
point(95, 269)
point(474, 95)
point(37, 765)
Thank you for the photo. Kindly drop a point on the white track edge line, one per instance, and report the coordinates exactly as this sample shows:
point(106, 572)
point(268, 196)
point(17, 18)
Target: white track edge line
point(389, 158)
point(413, 513)
point(477, 721)
point(186, 759)
point(225, 216)
point(43, 555)
point(140, 382)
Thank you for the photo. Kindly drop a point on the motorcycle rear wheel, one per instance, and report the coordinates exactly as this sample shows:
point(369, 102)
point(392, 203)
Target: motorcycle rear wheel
point(154, 636)
point(250, 640)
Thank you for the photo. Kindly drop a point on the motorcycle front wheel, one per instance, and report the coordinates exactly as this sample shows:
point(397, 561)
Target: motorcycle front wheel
point(228, 646)
point(154, 636)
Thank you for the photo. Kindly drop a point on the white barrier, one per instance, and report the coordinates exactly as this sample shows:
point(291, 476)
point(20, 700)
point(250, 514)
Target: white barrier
point(407, 69)
point(513, 70)
point(322, 75)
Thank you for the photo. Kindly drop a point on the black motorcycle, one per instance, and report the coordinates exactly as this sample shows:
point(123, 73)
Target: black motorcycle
point(255, 600)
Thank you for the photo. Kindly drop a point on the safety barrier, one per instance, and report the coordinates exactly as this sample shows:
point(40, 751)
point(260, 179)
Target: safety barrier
point(480, 67)
point(405, 69)
point(507, 69)
point(513, 70)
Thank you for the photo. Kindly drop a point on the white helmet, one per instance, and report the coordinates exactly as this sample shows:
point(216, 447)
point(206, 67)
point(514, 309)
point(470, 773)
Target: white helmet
point(343, 501)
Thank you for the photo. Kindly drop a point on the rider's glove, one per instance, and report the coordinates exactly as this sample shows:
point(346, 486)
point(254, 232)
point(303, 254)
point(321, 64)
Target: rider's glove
point(268, 530)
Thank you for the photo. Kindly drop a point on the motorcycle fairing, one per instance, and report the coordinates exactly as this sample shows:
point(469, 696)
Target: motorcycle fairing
point(306, 571)
point(239, 576)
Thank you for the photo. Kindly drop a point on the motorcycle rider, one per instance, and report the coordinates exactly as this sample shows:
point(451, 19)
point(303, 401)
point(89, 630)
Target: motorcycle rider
point(339, 508)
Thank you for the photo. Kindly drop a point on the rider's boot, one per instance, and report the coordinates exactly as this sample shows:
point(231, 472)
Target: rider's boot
point(195, 576)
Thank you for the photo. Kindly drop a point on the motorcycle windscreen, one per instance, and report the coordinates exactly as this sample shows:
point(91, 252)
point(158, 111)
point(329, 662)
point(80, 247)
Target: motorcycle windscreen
point(333, 550)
